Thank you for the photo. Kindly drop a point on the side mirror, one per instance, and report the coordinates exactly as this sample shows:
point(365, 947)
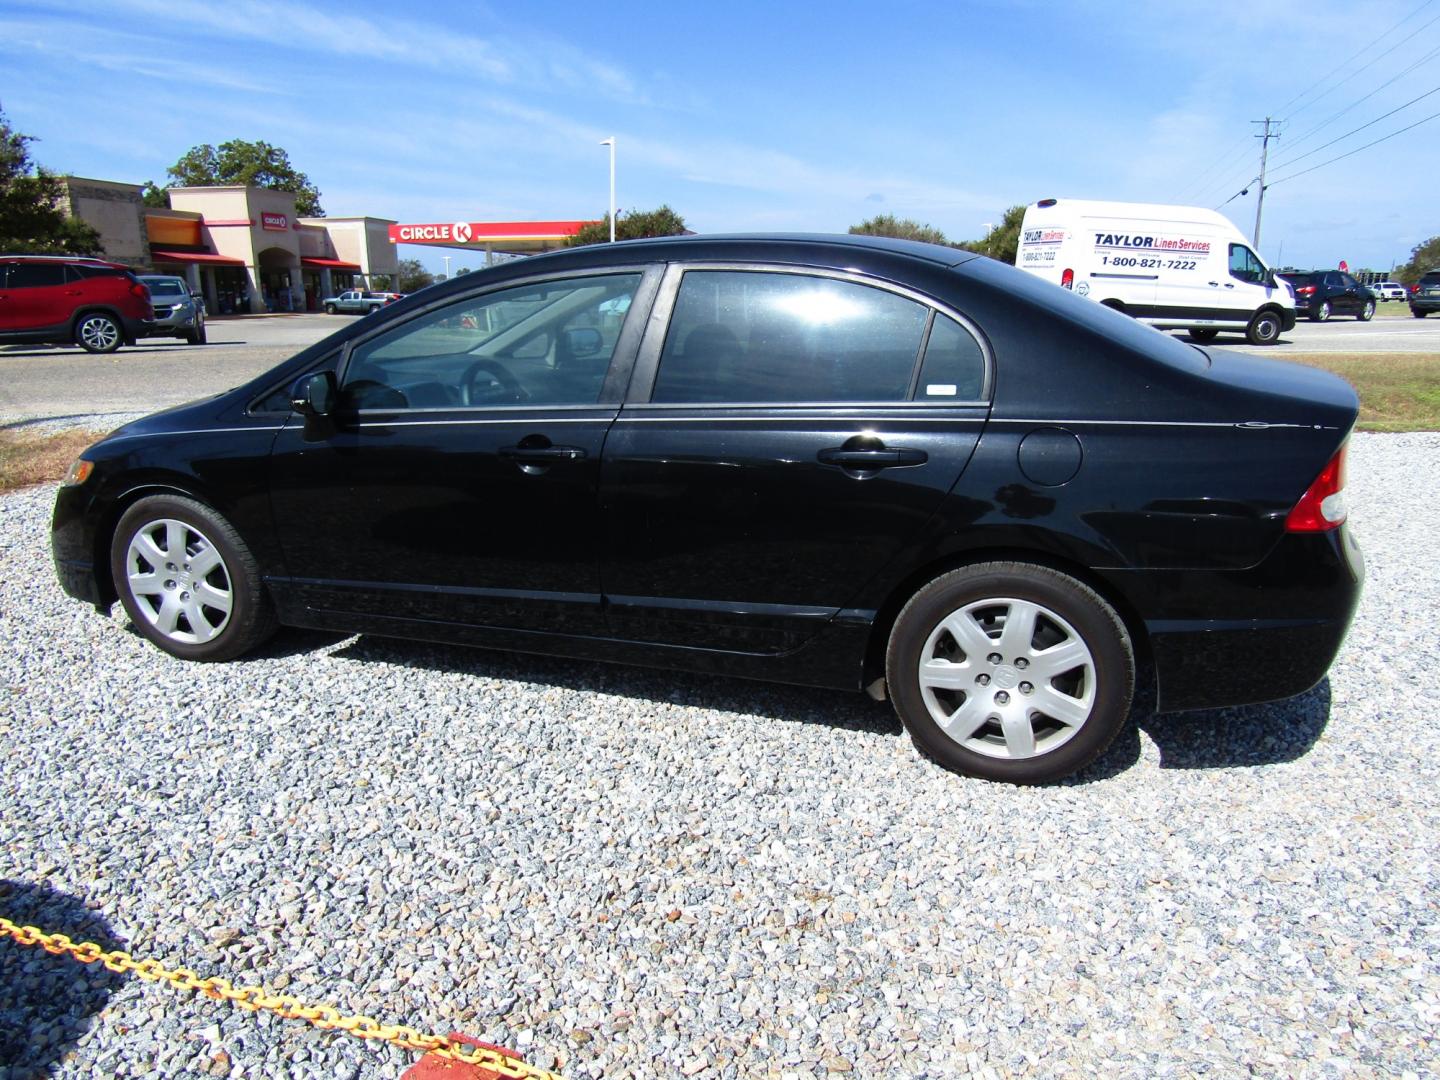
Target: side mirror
point(314, 395)
point(584, 341)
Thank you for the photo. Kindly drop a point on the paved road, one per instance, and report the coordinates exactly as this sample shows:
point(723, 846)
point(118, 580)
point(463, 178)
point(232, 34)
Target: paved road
point(1389, 332)
point(40, 382)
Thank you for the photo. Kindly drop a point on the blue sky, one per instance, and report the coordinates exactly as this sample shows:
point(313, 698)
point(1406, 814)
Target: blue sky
point(750, 116)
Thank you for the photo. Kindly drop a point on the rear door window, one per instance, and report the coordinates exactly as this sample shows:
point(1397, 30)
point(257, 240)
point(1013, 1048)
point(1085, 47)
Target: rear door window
point(35, 275)
point(742, 336)
point(954, 366)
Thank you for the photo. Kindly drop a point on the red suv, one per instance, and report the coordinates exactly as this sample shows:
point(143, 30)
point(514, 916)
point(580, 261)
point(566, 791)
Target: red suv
point(65, 300)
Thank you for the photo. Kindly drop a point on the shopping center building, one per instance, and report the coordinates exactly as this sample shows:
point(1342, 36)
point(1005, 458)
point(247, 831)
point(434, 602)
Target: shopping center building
point(246, 250)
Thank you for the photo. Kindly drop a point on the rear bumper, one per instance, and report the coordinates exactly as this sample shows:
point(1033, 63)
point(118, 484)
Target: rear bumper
point(1426, 304)
point(1247, 636)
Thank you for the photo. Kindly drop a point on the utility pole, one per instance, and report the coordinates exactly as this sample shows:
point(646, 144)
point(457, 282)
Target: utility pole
point(1265, 138)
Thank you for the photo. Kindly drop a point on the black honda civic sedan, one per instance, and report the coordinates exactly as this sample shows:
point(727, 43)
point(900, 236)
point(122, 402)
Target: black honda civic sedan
point(832, 461)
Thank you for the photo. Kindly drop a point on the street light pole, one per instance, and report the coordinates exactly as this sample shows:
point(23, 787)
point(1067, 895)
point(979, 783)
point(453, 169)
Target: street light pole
point(610, 142)
point(447, 266)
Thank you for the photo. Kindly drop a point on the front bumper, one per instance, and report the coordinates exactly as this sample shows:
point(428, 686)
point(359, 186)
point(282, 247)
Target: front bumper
point(179, 321)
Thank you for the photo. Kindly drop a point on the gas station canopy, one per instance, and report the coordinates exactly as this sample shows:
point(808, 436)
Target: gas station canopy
point(492, 237)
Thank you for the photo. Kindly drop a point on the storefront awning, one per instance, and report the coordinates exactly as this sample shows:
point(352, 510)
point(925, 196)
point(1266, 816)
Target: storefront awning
point(196, 257)
point(330, 264)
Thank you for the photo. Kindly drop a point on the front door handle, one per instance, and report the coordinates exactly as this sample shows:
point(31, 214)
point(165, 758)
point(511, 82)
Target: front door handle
point(544, 454)
point(878, 458)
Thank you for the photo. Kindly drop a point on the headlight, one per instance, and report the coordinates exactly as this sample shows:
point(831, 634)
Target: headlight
point(78, 473)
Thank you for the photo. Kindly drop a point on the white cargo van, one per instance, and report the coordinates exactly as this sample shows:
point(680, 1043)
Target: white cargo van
point(1173, 267)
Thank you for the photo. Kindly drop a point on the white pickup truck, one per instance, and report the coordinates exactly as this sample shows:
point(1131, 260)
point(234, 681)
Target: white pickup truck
point(358, 302)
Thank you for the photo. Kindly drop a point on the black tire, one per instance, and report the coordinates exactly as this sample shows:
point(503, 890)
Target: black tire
point(373, 309)
point(196, 336)
point(1264, 328)
point(1202, 335)
point(1321, 313)
point(97, 332)
point(1067, 608)
point(329, 309)
point(251, 616)
point(1418, 314)
point(1367, 311)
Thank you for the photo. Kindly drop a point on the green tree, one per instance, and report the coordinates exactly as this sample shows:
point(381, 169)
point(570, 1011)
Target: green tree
point(255, 164)
point(31, 218)
point(1424, 256)
point(900, 229)
point(632, 225)
point(412, 276)
point(153, 195)
point(1003, 240)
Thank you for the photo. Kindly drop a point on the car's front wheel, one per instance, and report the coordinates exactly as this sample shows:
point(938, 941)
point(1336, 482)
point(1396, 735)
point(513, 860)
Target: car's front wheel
point(97, 332)
point(1010, 671)
point(329, 309)
point(188, 581)
point(196, 336)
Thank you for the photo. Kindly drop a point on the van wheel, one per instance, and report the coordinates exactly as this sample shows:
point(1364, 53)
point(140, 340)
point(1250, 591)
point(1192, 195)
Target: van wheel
point(1367, 312)
point(1264, 329)
point(98, 333)
point(1009, 671)
point(1204, 337)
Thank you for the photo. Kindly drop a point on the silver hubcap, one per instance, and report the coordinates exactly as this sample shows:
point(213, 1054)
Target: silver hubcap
point(1007, 678)
point(178, 581)
point(99, 333)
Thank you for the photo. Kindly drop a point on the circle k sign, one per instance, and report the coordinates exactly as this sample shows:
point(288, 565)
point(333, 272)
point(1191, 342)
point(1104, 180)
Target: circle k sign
point(461, 233)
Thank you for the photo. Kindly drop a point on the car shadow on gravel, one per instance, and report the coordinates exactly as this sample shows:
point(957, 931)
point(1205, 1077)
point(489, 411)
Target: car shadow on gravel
point(1211, 739)
point(774, 701)
point(46, 1002)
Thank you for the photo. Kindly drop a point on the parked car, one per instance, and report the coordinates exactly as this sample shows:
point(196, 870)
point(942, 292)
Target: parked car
point(1322, 293)
point(1425, 294)
point(358, 302)
point(64, 300)
point(1388, 290)
point(833, 461)
point(178, 312)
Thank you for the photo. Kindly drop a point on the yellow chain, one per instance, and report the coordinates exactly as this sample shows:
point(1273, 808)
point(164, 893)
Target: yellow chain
point(257, 998)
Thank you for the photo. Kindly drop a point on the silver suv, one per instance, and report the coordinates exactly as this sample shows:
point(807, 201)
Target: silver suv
point(178, 312)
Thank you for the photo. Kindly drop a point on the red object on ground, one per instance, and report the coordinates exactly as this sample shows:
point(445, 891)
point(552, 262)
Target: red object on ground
point(435, 1067)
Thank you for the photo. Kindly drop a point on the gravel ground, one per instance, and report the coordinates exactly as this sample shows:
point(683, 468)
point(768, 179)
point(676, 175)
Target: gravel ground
point(633, 874)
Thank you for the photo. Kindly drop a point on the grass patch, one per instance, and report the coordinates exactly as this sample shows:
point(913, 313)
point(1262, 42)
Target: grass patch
point(1398, 391)
point(37, 458)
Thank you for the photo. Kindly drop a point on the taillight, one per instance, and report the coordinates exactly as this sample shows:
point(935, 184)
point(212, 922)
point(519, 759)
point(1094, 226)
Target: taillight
point(141, 290)
point(1067, 279)
point(1415, 288)
point(1305, 290)
point(1322, 507)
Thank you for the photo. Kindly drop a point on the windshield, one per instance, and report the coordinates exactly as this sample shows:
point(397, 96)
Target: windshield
point(165, 287)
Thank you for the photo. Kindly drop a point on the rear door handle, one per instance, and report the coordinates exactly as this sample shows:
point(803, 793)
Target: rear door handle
point(872, 459)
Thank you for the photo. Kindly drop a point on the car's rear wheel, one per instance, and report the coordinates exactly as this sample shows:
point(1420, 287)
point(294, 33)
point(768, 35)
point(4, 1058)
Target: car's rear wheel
point(1321, 311)
point(1418, 314)
point(188, 581)
point(1011, 672)
point(97, 332)
point(1203, 336)
point(1367, 312)
point(1264, 328)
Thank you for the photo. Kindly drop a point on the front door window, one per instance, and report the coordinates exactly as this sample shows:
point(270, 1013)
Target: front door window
point(1246, 266)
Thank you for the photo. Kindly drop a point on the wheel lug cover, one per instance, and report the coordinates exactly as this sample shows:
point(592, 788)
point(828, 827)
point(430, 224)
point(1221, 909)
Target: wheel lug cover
point(1021, 662)
point(1002, 698)
point(994, 658)
point(983, 680)
point(184, 596)
point(1026, 688)
point(169, 584)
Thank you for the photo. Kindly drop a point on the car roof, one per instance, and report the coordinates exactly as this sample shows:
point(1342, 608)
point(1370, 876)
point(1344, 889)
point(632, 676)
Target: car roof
point(691, 245)
point(88, 260)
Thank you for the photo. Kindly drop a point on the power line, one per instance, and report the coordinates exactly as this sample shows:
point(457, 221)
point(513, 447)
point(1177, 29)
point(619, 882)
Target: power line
point(1354, 131)
point(1360, 101)
point(1357, 150)
point(1341, 67)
